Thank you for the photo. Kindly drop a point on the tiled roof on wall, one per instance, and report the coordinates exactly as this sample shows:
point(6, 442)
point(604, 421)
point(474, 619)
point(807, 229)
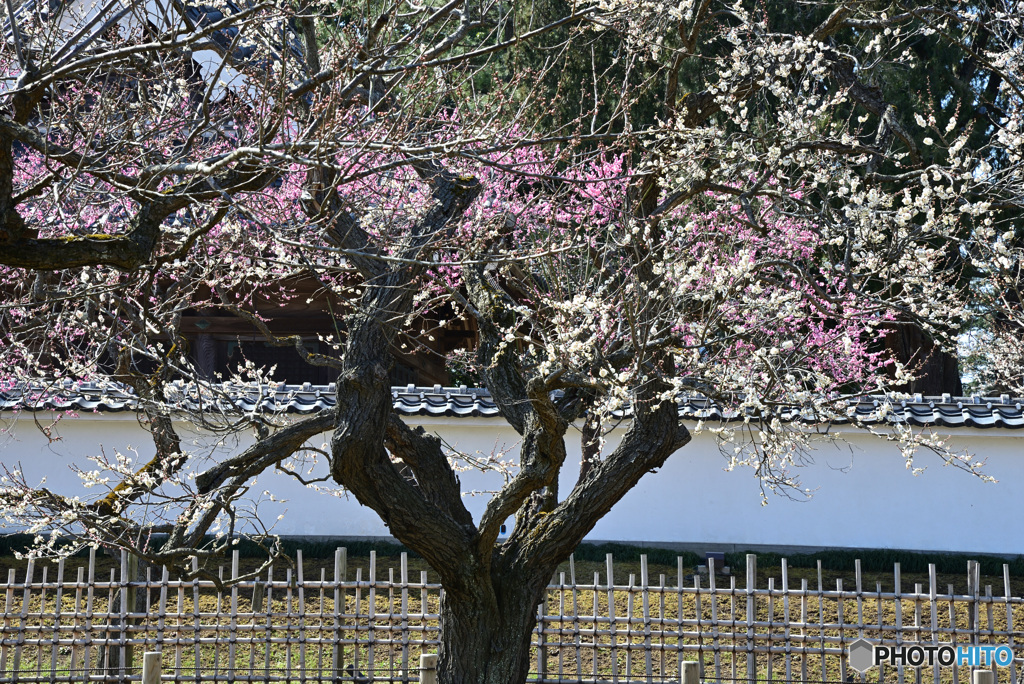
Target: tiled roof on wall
point(945, 411)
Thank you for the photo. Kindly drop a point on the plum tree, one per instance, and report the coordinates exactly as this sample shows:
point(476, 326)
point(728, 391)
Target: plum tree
point(754, 244)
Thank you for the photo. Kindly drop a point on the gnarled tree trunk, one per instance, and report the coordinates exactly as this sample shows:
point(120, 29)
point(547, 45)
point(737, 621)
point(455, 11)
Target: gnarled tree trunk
point(486, 631)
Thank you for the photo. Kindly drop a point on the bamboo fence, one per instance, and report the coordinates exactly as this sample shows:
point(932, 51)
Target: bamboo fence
point(347, 627)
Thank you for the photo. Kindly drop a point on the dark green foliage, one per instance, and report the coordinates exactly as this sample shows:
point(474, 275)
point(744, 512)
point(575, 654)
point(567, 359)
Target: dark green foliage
point(10, 544)
point(837, 560)
point(325, 548)
point(566, 63)
point(873, 560)
point(631, 554)
point(882, 560)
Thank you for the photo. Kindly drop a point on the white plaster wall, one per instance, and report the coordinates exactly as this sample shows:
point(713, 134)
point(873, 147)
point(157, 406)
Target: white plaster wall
point(864, 495)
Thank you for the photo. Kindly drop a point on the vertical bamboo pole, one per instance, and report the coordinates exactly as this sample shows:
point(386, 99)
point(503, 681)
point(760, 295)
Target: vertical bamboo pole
point(233, 618)
point(23, 620)
point(391, 625)
point(821, 622)
point(771, 628)
point(165, 579)
point(146, 622)
point(732, 613)
point(58, 612)
point(179, 632)
point(786, 620)
point(371, 651)
point(990, 621)
point(630, 596)
point(8, 608)
point(750, 615)
point(542, 652)
point(268, 625)
point(699, 614)
point(803, 630)
point(321, 625)
point(645, 598)
point(662, 586)
point(989, 608)
point(43, 586)
point(933, 609)
point(129, 571)
point(255, 602)
point(196, 622)
point(899, 618)
point(90, 592)
point(217, 626)
point(289, 593)
point(597, 628)
point(952, 623)
point(301, 584)
point(680, 636)
point(881, 622)
point(358, 626)
point(575, 615)
point(404, 578)
point(859, 585)
point(973, 573)
point(337, 650)
point(918, 625)
point(1009, 621)
point(76, 635)
point(161, 625)
point(561, 625)
point(613, 638)
point(424, 604)
point(842, 630)
point(715, 642)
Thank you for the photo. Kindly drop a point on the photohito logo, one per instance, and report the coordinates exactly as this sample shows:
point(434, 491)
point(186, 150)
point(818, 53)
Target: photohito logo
point(863, 655)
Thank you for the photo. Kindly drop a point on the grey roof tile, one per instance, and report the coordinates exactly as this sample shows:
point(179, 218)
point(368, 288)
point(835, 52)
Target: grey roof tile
point(945, 411)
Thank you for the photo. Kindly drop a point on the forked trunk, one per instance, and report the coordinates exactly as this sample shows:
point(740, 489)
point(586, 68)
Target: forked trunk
point(485, 636)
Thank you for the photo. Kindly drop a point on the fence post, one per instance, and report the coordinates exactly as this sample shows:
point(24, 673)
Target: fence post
point(690, 672)
point(151, 667)
point(542, 649)
point(128, 599)
point(984, 677)
point(428, 668)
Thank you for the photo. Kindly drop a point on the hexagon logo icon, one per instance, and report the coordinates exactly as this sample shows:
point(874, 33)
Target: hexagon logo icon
point(861, 655)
